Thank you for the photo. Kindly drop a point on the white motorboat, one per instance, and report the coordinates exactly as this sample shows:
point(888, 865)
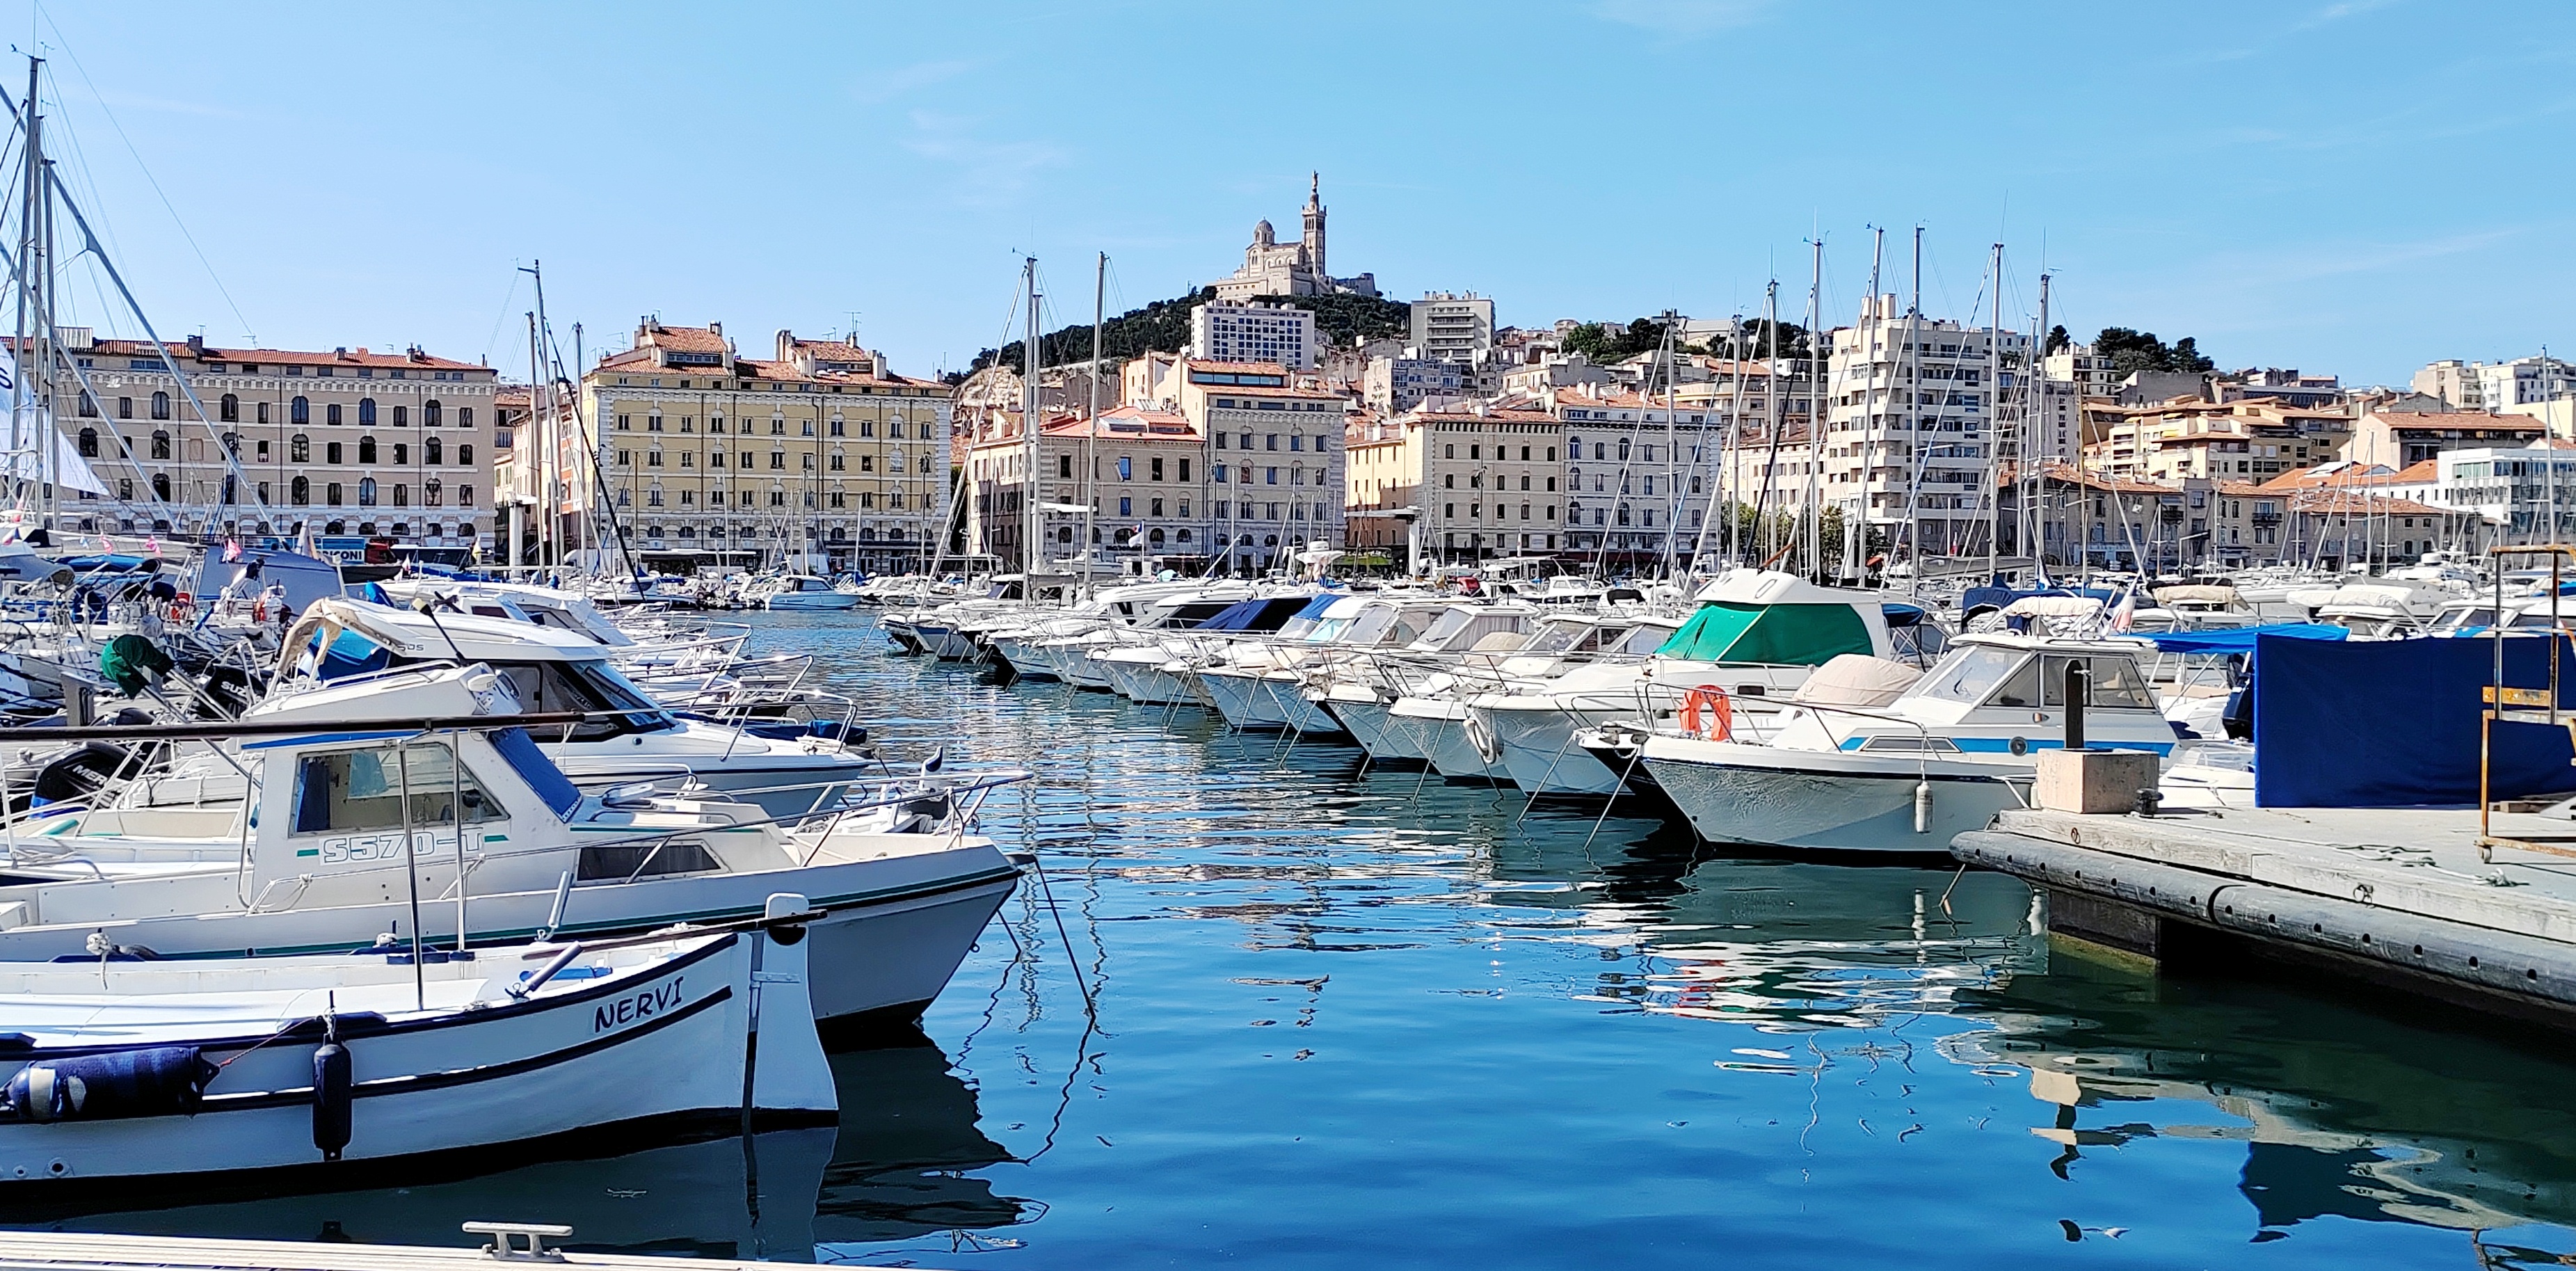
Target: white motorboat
point(1941, 759)
point(331, 1065)
point(630, 737)
point(805, 592)
point(313, 859)
point(1756, 636)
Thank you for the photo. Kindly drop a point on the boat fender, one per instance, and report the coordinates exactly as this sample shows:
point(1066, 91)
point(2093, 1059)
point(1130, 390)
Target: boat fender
point(153, 1082)
point(331, 1110)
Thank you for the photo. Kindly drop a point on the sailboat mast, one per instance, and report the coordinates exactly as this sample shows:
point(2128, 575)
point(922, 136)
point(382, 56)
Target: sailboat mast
point(2035, 416)
point(1812, 504)
point(1866, 335)
point(1091, 426)
point(1030, 427)
point(1993, 493)
point(1911, 376)
point(27, 244)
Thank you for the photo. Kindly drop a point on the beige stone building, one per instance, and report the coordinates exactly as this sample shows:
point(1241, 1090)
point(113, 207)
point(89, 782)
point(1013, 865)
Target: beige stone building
point(2249, 439)
point(346, 441)
point(1146, 487)
point(1459, 482)
point(819, 453)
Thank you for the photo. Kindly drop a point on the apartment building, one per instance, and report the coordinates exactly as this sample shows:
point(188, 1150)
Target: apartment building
point(819, 452)
point(1910, 436)
point(1140, 471)
point(1274, 459)
point(2249, 439)
point(2079, 365)
point(1458, 482)
point(344, 441)
point(2497, 386)
point(2400, 438)
point(1393, 385)
point(2527, 494)
point(1453, 328)
point(1254, 332)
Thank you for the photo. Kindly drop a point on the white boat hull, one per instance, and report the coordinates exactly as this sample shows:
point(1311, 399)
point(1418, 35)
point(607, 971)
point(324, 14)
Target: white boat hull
point(669, 1044)
point(1825, 800)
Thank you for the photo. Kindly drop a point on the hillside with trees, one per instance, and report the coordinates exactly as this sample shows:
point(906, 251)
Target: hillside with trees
point(1164, 327)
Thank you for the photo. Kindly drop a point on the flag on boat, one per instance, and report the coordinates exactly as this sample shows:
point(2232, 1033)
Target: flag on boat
point(232, 550)
point(152, 544)
point(2126, 614)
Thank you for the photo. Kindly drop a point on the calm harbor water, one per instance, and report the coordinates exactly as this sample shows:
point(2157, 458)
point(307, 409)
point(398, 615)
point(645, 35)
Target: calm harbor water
point(1347, 1016)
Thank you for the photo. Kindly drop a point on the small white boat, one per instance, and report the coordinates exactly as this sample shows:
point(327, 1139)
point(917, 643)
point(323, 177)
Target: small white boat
point(1939, 760)
point(806, 592)
point(328, 1065)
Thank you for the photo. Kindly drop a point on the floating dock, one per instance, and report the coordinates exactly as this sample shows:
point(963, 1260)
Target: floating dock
point(2402, 896)
point(74, 1251)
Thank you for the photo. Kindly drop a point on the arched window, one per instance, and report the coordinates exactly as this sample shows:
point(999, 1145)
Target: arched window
point(161, 485)
point(366, 412)
point(367, 449)
point(331, 452)
point(230, 409)
point(434, 495)
point(335, 527)
point(299, 491)
point(160, 405)
point(299, 448)
point(430, 450)
point(299, 411)
point(160, 444)
point(429, 412)
point(465, 457)
point(89, 443)
point(366, 492)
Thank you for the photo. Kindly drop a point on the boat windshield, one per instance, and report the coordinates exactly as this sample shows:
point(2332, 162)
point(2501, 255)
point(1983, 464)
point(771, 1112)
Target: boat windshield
point(1556, 635)
point(592, 687)
point(1968, 674)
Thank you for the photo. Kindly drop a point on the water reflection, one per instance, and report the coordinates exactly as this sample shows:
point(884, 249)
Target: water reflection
point(892, 1170)
point(2344, 1111)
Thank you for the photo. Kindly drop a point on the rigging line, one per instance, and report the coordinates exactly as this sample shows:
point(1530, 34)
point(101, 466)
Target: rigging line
point(146, 169)
point(232, 462)
point(495, 340)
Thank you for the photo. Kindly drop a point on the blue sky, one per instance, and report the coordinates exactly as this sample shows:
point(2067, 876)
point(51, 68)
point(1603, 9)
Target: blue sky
point(2352, 187)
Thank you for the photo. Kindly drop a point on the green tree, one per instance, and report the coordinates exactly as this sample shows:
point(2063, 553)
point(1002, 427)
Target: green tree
point(2141, 351)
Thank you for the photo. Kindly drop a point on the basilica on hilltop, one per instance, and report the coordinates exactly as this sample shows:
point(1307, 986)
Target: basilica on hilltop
point(1273, 268)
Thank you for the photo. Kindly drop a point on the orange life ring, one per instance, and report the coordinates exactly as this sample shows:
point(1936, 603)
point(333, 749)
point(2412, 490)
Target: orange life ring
point(1707, 715)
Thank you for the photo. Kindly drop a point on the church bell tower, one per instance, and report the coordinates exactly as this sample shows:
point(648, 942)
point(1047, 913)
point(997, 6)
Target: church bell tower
point(1314, 231)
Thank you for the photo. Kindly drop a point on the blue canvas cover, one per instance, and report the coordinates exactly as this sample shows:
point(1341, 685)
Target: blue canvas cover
point(2242, 639)
point(2394, 723)
point(1315, 608)
point(1257, 615)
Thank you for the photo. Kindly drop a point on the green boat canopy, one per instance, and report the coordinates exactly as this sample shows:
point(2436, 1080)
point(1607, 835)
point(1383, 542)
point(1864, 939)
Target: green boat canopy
point(1782, 635)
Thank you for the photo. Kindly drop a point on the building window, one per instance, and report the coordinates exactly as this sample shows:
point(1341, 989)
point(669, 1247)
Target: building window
point(366, 412)
point(431, 448)
point(125, 408)
point(161, 485)
point(366, 492)
point(229, 408)
point(331, 494)
point(89, 443)
point(429, 411)
point(299, 411)
point(366, 449)
point(432, 494)
point(402, 416)
point(160, 405)
point(402, 495)
point(331, 452)
point(402, 452)
point(464, 416)
point(299, 449)
point(160, 444)
point(331, 413)
point(300, 491)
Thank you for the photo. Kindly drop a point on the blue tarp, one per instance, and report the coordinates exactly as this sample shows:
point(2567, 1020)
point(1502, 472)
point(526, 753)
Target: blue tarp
point(2394, 723)
point(1315, 608)
point(352, 654)
point(1255, 615)
point(2241, 639)
point(115, 564)
point(1998, 597)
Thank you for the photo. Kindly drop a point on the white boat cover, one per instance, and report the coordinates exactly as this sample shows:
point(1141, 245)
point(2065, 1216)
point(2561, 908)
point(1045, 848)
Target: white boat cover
point(1858, 680)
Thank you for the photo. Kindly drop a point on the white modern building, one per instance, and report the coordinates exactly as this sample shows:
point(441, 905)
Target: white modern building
point(2522, 381)
point(2528, 493)
point(1253, 332)
point(1453, 328)
point(1394, 385)
point(1911, 426)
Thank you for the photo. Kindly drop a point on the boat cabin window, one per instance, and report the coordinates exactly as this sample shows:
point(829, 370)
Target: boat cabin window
point(362, 790)
point(617, 862)
point(1557, 636)
point(584, 686)
point(2115, 684)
